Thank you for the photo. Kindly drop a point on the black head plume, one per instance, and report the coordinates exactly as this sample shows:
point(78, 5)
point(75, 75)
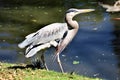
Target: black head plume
point(71, 10)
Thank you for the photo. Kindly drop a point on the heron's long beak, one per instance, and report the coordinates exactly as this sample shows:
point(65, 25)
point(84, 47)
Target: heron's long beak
point(85, 10)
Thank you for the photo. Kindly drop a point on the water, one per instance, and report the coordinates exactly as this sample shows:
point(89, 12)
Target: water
point(94, 51)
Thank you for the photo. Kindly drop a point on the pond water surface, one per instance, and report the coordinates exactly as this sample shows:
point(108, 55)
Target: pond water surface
point(94, 51)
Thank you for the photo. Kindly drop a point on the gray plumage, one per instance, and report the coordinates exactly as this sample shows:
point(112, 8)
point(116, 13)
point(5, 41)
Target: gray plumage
point(58, 35)
point(44, 38)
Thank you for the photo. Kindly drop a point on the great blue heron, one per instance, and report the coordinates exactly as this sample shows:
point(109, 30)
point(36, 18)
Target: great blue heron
point(57, 34)
point(110, 8)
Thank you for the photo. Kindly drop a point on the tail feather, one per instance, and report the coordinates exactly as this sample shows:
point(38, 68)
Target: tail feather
point(24, 43)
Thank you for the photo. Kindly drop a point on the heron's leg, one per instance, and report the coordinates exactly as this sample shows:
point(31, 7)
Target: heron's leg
point(59, 62)
point(35, 62)
point(44, 63)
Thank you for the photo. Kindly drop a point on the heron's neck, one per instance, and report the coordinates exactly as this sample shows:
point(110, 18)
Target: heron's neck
point(71, 23)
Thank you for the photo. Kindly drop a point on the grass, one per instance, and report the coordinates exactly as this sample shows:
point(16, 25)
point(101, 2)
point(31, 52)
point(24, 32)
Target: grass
point(21, 72)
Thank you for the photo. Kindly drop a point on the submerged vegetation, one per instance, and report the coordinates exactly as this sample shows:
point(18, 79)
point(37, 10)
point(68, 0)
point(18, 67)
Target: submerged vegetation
point(22, 72)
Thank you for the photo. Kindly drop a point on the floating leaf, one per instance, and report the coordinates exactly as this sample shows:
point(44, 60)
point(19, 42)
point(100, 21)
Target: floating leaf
point(76, 62)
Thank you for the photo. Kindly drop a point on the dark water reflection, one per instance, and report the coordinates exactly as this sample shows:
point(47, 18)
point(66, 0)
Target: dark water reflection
point(95, 47)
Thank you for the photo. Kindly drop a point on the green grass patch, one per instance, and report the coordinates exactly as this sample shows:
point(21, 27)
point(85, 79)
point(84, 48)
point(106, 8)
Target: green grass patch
point(21, 72)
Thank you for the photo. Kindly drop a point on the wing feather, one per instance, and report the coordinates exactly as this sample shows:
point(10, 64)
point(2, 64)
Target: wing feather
point(32, 51)
point(46, 34)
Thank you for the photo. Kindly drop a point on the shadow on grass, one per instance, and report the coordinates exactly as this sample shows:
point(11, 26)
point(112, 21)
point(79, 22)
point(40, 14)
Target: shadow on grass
point(26, 67)
point(31, 67)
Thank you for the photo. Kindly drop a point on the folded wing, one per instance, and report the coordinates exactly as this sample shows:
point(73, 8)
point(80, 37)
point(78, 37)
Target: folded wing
point(43, 38)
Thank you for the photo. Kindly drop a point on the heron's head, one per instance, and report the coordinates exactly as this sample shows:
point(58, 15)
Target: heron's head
point(72, 12)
